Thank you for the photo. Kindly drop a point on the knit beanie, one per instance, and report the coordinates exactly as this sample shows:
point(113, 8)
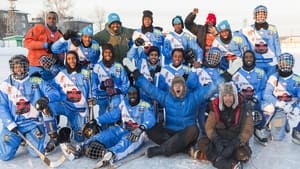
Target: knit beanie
point(211, 17)
point(113, 17)
point(177, 20)
point(148, 13)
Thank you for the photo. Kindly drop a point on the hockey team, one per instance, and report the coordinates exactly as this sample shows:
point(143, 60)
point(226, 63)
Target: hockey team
point(204, 92)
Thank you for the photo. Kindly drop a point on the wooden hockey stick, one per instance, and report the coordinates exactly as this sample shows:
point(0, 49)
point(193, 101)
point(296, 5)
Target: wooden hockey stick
point(45, 159)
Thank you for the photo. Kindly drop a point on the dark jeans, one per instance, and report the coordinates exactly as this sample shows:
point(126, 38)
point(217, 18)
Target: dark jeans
point(172, 142)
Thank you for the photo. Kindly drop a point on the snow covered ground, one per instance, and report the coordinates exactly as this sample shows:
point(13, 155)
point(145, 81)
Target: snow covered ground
point(277, 155)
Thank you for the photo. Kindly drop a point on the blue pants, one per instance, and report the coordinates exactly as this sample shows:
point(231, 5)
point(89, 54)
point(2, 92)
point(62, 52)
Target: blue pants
point(115, 140)
point(76, 121)
point(10, 142)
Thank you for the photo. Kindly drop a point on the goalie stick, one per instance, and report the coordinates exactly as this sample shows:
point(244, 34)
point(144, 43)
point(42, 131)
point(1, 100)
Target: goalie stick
point(45, 159)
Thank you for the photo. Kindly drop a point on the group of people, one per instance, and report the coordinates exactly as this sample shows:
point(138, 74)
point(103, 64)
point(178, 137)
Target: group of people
point(204, 91)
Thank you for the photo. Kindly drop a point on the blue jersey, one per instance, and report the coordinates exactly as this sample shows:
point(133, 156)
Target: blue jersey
point(90, 54)
point(168, 73)
point(74, 89)
point(237, 46)
point(268, 38)
point(279, 87)
point(183, 40)
point(116, 72)
point(17, 99)
point(256, 78)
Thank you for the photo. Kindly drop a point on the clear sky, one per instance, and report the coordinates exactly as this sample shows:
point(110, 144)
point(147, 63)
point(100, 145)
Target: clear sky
point(284, 14)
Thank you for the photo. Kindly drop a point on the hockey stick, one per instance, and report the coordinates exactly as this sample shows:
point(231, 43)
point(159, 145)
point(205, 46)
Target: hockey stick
point(45, 159)
point(91, 106)
point(126, 160)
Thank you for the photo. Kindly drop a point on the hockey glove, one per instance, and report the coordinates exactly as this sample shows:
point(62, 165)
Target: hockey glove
point(217, 143)
point(92, 101)
point(76, 42)
point(286, 107)
point(109, 83)
point(42, 103)
point(135, 134)
point(91, 128)
point(64, 135)
point(110, 91)
point(129, 64)
point(139, 42)
point(69, 34)
point(234, 65)
point(228, 150)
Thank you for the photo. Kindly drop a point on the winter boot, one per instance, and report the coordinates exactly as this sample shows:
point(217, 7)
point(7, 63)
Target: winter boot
point(154, 151)
point(52, 143)
point(237, 165)
point(106, 160)
point(296, 136)
point(287, 126)
point(64, 135)
point(197, 154)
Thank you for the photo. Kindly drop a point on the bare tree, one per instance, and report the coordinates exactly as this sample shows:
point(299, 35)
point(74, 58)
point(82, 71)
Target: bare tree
point(99, 20)
point(62, 8)
point(2, 26)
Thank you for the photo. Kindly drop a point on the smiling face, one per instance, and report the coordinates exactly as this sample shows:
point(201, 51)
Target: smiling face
point(177, 58)
point(71, 60)
point(153, 57)
point(115, 26)
point(228, 99)
point(86, 40)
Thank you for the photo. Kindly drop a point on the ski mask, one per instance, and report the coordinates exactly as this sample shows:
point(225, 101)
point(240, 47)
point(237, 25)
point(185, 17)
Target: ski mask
point(133, 95)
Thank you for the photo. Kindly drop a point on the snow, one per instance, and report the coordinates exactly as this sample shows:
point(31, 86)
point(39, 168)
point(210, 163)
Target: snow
point(277, 155)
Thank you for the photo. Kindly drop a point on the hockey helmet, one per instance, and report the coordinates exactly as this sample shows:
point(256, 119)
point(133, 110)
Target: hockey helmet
point(214, 56)
point(260, 14)
point(19, 66)
point(286, 62)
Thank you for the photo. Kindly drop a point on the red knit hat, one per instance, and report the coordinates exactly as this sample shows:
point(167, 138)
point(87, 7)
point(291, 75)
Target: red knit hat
point(211, 17)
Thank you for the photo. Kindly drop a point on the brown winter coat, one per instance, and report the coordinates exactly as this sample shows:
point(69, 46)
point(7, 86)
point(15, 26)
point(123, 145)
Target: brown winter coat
point(243, 127)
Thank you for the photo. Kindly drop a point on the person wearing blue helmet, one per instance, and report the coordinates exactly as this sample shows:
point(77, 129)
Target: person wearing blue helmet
point(117, 35)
